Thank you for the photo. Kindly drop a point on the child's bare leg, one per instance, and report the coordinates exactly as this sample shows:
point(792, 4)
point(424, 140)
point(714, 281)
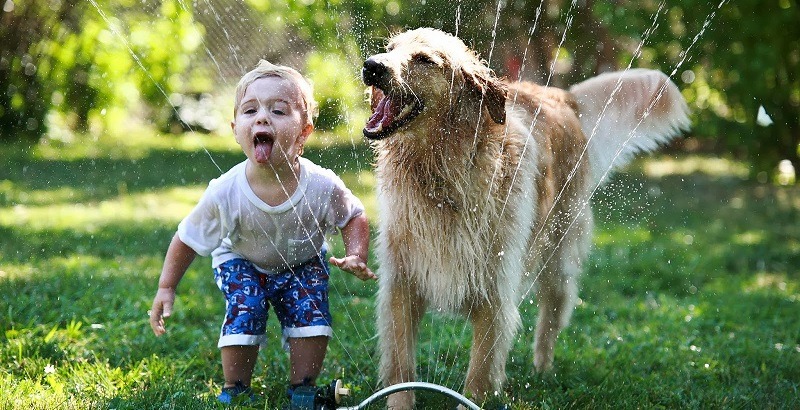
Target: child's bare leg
point(238, 363)
point(306, 355)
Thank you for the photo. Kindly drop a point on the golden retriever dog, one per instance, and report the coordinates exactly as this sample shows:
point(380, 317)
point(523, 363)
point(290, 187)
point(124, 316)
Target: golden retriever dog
point(484, 189)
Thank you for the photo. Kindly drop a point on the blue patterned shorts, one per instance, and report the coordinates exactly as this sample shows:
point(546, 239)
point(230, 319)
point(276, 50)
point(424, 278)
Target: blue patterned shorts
point(298, 295)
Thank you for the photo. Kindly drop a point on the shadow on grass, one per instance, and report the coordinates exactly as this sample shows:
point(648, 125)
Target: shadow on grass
point(20, 245)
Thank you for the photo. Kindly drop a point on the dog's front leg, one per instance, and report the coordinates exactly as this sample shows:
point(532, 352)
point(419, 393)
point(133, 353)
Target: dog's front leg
point(493, 328)
point(400, 309)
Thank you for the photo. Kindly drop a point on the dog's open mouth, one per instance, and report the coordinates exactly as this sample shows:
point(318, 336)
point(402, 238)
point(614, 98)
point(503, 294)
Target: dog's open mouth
point(391, 113)
point(262, 144)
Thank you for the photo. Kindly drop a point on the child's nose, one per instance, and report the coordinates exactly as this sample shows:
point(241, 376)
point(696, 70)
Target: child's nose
point(262, 116)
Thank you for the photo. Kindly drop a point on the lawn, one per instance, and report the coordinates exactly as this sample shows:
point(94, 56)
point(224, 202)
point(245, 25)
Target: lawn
point(691, 298)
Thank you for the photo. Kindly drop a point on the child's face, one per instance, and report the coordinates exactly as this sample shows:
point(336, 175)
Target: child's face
point(270, 123)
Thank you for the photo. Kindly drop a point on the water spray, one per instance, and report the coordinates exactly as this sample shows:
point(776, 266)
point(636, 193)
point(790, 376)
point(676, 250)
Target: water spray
point(330, 396)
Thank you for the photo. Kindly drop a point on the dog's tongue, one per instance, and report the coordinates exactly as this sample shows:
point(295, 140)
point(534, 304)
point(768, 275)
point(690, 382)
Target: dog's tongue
point(384, 114)
point(262, 151)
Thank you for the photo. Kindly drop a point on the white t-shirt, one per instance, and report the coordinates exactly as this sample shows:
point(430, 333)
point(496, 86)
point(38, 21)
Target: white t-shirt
point(230, 221)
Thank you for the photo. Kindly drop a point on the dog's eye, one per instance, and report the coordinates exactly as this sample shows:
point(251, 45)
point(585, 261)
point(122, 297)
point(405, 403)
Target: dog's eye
point(422, 58)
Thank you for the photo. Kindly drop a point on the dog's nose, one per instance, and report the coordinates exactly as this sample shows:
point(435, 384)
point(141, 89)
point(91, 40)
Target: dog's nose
point(374, 72)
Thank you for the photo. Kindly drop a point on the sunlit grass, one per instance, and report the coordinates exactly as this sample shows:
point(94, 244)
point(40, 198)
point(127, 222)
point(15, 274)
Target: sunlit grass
point(135, 143)
point(688, 165)
point(168, 206)
point(628, 235)
point(772, 282)
point(750, 238)
point(689, 299)
point(364, 185)
point(138, 141)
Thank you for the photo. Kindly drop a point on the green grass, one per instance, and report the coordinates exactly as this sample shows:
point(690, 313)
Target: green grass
point(691, 298)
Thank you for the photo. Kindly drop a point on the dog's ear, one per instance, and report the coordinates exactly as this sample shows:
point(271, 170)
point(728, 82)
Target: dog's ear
point(493, 92)
point(495, 98)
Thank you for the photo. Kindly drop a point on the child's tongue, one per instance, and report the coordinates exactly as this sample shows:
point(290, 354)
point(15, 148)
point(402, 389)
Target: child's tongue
point(262, 151)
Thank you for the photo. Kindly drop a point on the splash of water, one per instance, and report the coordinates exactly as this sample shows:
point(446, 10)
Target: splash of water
point(138, 61)
point(684, 56)
point(118, 34)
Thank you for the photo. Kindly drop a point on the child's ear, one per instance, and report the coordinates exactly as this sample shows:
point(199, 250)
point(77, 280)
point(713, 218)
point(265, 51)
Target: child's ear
point(233, 126)
point(301, 139)
point(307, 130)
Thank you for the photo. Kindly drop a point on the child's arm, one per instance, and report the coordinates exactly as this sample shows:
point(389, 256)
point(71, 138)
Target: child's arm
point(355, 236)
point(179, 257)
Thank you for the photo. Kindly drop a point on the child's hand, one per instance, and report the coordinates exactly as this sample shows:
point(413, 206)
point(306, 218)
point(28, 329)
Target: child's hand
point(162, 308)
point(355, 265)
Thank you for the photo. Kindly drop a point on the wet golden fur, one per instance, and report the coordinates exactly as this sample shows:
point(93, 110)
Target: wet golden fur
point(482, 198)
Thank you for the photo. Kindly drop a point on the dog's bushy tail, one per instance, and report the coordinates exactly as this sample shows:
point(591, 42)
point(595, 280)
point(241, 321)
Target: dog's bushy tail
point(627, 112)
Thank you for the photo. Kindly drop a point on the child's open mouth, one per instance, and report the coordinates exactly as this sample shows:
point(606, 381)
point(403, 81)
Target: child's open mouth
point(262, 142)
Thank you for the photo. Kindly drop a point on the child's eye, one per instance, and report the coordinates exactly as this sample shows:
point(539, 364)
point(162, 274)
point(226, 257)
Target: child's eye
point(250, 111)
point(278, 112)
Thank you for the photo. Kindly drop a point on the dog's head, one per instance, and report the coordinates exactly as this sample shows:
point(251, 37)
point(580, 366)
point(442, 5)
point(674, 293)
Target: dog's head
point(428, 73)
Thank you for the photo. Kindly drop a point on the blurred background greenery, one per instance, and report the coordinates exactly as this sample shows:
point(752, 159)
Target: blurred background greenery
point(114, 115)
point(71, 67)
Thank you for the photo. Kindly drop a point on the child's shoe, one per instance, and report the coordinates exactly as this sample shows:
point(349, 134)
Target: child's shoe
point(238, 394)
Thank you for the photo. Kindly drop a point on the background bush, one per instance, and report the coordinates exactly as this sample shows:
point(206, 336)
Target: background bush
point(104, 61)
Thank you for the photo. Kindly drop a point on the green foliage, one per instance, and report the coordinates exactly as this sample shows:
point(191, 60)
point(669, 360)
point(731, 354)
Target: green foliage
point(339, 93)
point(88, 61)
point(164, 49)
point(81, 59)
point(28, 29)
point(732, 57)
point(729, 57)
point(688, 301)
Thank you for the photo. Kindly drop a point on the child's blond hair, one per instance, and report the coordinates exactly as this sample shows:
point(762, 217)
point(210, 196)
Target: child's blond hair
point(266, 69)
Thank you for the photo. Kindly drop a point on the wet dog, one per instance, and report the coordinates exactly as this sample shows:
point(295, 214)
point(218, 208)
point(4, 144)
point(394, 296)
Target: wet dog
point(484, 189)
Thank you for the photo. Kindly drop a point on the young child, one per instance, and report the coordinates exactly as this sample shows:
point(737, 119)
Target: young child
point(264, 224)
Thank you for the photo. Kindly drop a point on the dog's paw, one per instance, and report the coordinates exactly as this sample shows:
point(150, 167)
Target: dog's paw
point(543, 364)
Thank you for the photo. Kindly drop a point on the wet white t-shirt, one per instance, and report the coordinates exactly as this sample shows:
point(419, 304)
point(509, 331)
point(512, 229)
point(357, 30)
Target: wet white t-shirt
point(230, 221)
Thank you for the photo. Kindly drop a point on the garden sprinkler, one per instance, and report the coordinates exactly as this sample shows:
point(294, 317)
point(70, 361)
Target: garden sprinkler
point(328, 397)
point(318, 398)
